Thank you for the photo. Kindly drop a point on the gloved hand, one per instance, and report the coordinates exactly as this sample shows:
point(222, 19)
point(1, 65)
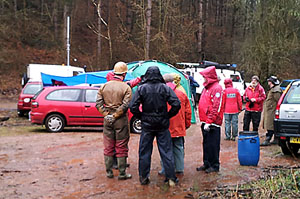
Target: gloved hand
point(207, 127)
point(109, 119)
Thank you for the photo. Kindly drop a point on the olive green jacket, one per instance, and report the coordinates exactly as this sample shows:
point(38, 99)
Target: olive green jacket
point(270, 107)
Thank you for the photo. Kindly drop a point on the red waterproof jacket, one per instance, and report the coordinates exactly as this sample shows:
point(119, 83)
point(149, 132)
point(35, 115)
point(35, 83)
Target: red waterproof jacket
point(211, 105)
point(259, 94)
point(132, 83)
point(180, 122)
point(232, 98)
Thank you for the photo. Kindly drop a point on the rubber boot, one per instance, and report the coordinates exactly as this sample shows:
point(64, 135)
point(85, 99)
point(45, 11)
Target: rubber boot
point(109, 160)
point(266, 142)
point(122, 169)
point(275, 140)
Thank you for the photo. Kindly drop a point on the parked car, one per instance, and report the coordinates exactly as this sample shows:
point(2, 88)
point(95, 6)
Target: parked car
point(60, 106)
point(287, 119)
point(24, 102)
point(286, 82)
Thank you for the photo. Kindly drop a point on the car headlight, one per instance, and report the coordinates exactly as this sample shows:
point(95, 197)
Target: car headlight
point(27, 100)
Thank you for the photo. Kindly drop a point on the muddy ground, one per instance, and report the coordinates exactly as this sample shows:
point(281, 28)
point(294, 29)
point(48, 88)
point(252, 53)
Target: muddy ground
point(70, 165)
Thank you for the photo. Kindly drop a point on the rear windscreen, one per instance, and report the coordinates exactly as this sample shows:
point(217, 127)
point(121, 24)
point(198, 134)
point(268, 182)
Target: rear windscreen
point(293, 95)
point(32, 89)
point(235, 78)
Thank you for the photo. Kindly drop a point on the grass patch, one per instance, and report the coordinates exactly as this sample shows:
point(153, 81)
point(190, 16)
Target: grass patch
point(20, 130)
point(283, 183)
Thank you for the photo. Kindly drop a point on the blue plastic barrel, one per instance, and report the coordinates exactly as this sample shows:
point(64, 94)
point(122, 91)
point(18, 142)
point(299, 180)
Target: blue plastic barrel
point(248, 148)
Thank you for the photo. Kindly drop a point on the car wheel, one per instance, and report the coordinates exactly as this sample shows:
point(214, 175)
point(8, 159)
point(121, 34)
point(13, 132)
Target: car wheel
point(21, 113)
point(288, 148)
point(135, 125)
point(55, 123)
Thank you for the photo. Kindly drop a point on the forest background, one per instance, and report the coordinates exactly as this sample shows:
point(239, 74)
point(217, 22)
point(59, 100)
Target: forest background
point(260, 36)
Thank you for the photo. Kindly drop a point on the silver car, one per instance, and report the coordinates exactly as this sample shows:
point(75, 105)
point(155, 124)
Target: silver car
point(287, 119)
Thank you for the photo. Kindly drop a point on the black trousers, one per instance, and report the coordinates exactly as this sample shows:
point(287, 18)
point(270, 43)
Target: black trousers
point(165, 147)
point(211, 147)
point(251, 116)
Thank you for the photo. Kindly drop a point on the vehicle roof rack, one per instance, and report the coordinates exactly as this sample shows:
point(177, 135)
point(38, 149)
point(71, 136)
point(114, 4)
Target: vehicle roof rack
point(204, 64)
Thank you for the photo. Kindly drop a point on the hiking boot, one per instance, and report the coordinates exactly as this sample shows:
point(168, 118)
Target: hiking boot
point(227, 138)
point(210, 170)
point(172, 182)
point(161, 173)
point(201, 168)
point(266, 142)
point(233, 138)
point(144, 181)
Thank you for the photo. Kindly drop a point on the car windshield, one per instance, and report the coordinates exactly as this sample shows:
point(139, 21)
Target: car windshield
point(235, 78)
point(293, 95)
point(32, 89)
point(285, 83)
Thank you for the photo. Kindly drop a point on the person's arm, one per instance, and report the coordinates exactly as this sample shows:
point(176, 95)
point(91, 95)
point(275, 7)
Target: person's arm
point(173, 101)
point(188, 112)
point(239, 100)
point(125, 103)
point(217, 100)
point(262, 95)
point(100, 105)
point(134, 105)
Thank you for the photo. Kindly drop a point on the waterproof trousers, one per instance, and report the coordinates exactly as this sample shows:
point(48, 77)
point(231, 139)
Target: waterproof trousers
point(231, 125)
point(211, 147)
point(116, 137)
point(178, 152)
point(251, 116)
point(164, 142)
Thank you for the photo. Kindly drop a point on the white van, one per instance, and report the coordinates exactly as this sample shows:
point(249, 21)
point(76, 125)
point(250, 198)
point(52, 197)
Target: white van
point(223, 71)
point(34, 71)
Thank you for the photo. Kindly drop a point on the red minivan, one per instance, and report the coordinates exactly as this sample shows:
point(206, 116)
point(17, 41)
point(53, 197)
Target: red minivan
point(60, 106)
point(24, 102)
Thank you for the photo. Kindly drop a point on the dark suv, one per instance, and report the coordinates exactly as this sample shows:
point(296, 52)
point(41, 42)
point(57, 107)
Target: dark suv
point(287, 119)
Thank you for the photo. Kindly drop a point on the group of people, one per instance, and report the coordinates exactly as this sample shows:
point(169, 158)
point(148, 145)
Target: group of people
point(165, 112)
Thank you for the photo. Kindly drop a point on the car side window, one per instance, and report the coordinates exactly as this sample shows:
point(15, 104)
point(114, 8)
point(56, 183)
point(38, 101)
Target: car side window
point(32, 89)
point(293, 96)
point(64, 95)
point(91, 95)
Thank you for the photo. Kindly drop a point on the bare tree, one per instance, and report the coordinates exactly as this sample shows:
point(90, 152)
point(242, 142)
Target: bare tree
point(148, 28)
point(200, 32)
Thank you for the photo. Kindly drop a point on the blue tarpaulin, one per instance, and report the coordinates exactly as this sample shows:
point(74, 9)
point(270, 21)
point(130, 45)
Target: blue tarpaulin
point(90, 78)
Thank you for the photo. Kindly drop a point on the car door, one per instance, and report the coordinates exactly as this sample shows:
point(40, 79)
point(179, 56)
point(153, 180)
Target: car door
point(67, 102)
point(90, 112)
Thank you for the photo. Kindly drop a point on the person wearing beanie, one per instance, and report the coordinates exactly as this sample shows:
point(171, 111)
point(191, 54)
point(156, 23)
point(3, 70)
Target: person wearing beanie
point(269, 109)
point(254, 96)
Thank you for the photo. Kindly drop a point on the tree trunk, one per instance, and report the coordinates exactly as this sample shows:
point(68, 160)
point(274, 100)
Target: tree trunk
point(55, 9)
point(200, 32)
point(148, 28)
point(129, 16)
point(98, 56)
point(65, 26)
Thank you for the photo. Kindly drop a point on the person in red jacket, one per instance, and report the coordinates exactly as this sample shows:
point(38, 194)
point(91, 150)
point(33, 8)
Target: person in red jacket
point(211, 109)
point(254, 96)
point(178, 125)
point(233, 105)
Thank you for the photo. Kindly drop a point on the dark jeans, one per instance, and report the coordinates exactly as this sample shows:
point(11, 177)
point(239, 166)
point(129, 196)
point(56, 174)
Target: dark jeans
point(165, 148)
point(211, 147)
point(251, 116)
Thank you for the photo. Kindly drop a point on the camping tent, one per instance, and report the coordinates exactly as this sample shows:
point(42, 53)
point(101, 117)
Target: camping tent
point(139, 68)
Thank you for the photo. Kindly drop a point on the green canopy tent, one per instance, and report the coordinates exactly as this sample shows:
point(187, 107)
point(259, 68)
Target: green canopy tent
point(139, 68)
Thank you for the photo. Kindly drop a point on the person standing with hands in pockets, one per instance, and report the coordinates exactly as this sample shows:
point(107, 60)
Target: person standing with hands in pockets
point(211, 108)
point(232, 106)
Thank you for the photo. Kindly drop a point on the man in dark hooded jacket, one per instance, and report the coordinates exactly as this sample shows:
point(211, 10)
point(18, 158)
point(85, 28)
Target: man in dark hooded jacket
point(154, 95)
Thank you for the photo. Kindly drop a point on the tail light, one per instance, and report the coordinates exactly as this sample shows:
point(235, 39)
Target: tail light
point(277, 111)
point(34, 104)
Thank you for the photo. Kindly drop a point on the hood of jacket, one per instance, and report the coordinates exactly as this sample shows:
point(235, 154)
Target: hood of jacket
point(210, 75)
point(152, 75)
point(228, 83)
